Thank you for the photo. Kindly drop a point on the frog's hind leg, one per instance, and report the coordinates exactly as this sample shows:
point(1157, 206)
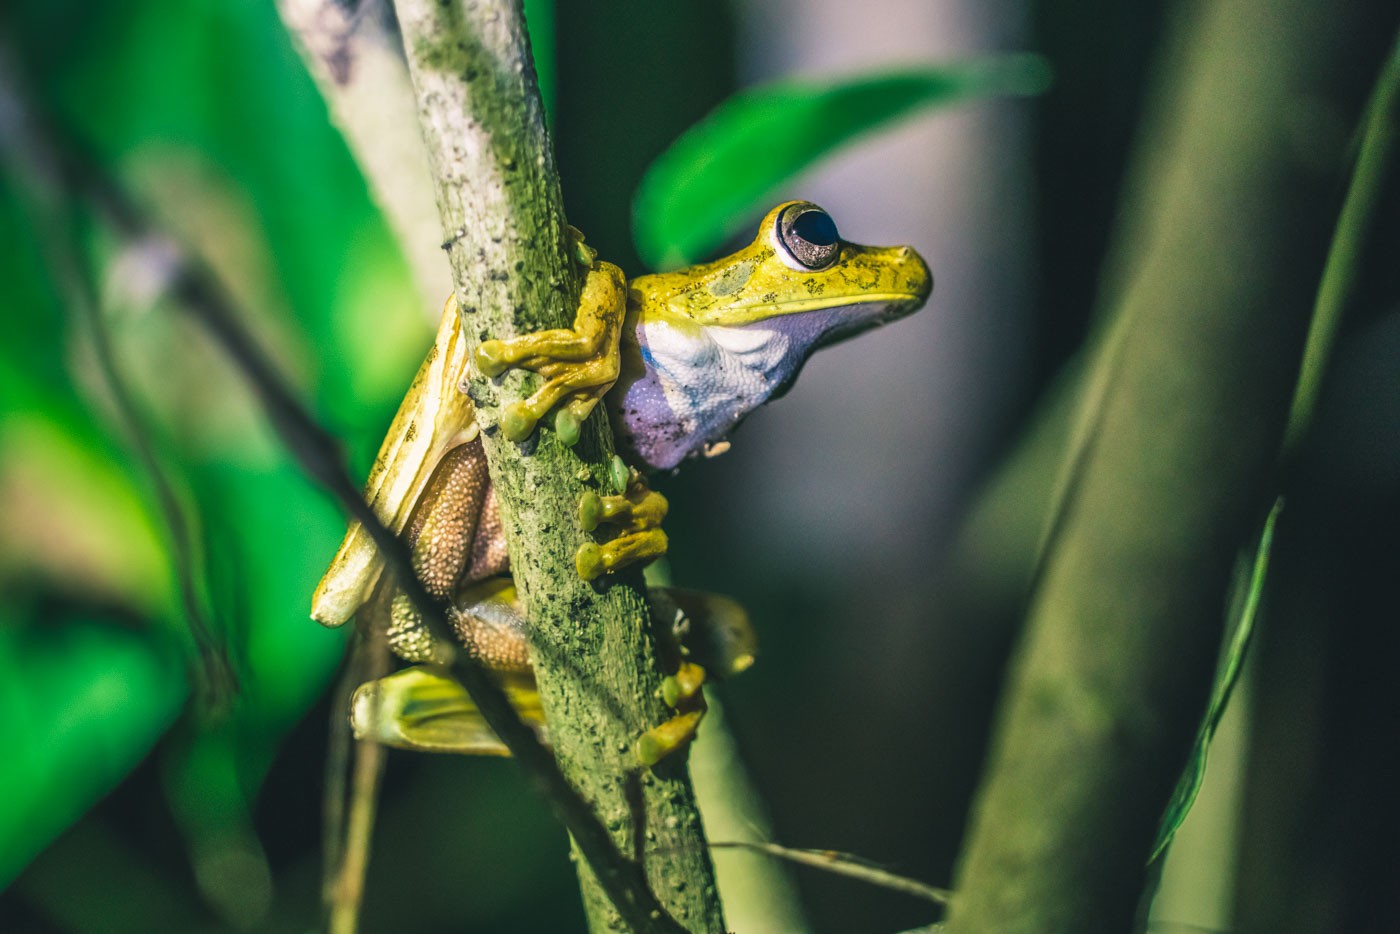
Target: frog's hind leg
point(489, 620)
point(712, 636)
point(454, 533)
point(423, 708)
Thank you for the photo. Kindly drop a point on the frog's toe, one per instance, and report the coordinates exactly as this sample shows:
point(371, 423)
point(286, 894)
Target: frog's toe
point(661, 741)
point(518, 421)
point(568, 425)
point(589, 561)
point(591, 511)
point(683, 687)
point(593, 560)
point(639, 510)
point(490, 358)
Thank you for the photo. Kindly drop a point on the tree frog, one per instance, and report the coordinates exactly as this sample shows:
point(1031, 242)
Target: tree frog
point(679, 359)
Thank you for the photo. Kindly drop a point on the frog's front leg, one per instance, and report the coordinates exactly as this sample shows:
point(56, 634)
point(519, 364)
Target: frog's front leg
point(579, 364)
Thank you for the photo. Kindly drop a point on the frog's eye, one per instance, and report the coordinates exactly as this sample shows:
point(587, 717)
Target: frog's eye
point(807, 237)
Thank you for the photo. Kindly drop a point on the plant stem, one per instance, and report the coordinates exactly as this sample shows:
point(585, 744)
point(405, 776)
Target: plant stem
point(1172, 463)
point(593, 649)
point(1380, 128)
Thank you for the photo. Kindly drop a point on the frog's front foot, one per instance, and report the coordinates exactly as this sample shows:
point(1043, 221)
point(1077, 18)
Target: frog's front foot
point(639, 511)
point(579, 364)
point(684, 692)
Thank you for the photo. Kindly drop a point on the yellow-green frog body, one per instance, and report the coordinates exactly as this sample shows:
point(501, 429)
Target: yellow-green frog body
point(680, 357)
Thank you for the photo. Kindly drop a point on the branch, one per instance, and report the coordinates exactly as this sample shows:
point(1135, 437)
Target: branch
point(593, 648)
point(1180, 428)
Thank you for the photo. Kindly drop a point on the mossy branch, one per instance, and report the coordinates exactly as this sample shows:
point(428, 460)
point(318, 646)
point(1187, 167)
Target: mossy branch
point(504, 231)
point(1180, 426)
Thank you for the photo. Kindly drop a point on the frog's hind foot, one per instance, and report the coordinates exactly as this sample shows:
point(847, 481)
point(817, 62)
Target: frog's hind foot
point(714, 639)
point(683, 692)
point(638, 511)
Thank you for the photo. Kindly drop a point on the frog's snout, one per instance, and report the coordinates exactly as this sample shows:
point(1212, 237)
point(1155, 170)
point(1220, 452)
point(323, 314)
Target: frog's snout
point(912, 276)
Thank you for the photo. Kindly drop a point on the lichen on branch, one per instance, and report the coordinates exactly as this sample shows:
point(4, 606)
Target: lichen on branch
point(505, 235)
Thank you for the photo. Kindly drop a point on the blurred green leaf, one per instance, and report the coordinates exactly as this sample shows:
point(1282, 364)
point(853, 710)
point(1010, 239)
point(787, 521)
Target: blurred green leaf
point(206, 114)
point(1248, 592)
point(701, 190)
point(539, 20)
point(83, 704)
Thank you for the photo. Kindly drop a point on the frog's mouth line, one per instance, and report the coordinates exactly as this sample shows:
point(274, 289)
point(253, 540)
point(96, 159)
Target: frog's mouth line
point(758, 312)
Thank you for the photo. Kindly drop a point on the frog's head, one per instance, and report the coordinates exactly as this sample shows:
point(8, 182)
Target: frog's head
point(797, 264)
point(715, 341)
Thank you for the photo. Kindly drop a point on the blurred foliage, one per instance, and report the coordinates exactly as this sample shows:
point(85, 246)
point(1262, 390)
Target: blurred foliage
point(170, 99)
point(1247, 592)
point(704, 188)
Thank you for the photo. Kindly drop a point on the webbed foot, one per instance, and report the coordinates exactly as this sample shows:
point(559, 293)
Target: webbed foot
point(639, 511)
point(713, 636)
point(579, 364)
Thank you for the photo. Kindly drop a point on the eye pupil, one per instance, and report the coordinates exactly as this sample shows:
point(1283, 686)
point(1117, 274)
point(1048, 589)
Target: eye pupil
point(816, 227)
point(808, 236)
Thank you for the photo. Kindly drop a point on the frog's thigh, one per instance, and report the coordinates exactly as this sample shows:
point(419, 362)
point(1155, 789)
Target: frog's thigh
point(442, 533)
point(489, 620)
point(442, 529)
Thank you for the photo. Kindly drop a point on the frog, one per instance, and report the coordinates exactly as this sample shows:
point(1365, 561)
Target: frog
point(678, 359)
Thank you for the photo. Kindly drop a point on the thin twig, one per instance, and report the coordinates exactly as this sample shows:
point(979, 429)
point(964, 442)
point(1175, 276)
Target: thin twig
point(352, 787)
point(844, 864)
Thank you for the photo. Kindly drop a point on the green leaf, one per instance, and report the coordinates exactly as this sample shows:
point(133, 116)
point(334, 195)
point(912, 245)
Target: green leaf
point(1247, 594)
point(83, 704)
point(539, 20)
point(701, 190)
